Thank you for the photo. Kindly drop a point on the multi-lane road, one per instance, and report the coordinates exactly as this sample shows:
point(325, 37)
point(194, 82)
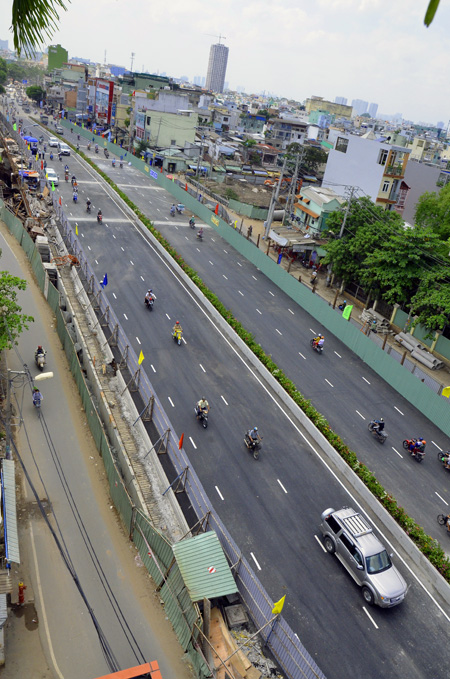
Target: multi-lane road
point(272, 506)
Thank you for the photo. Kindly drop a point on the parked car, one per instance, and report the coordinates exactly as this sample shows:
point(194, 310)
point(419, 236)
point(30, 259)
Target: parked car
point(59, 129)
point(52, 177)
point(350, 536)
point(65, 150)
point(53, 141)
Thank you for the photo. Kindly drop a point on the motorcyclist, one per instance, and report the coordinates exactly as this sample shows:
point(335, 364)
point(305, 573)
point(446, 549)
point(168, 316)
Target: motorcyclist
point(75, 196)
point(378, 425)
point(172, 210)
point(202, 407)
point(66, 168)
point(39, 350)
point(96, 148)
point(99, 216)
point(73, 180)
point(200, 233)
point(149, 296)
point(89, 146)
point(253, 436)
point(192, 222)
point(177, 328)
point(88, 205)
point(37, 396)
point(113, 162)
point(78, 147)
point(319, 341)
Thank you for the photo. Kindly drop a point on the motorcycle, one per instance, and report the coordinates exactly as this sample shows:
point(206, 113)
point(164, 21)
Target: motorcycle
point(89, 146)
point(202, 417)
point(316, 346)
point(418, 453)
point(88, 209)
point(172, 211)
point(149, 303)
point(96, 149)
point(100, 218)
point(113, 162)
point(180, 209)
point(66, 177)
point(200, 235)
point(121, 164)
point(106, 153)
point(39, 359)
point(380, 436)
point(75, 197)
point(253, 446)
point(177, 335)
point(192, 223)
point(37, 401)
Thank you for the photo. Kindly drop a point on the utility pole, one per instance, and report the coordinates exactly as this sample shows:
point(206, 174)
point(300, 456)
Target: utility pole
point(274, 200)
point(293, 187)
point(347, 209)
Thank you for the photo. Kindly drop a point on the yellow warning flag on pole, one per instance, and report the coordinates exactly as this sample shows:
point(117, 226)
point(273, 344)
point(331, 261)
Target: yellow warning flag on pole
point(446, 391)
point(141, 357)
point(278, 606)
point(76, 229)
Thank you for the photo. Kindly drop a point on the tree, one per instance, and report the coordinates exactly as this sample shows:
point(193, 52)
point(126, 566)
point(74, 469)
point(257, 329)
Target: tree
point(12, 320)
point(433, 211)
point(431, 11)
point(314, 157)
point(3, 74)
point(33, 22)
point(35, 93)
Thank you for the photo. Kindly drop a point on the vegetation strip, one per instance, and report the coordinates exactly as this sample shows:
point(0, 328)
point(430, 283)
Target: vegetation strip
point(427, 545)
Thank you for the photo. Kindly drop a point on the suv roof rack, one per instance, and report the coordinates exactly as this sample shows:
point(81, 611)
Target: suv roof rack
point(357, 525)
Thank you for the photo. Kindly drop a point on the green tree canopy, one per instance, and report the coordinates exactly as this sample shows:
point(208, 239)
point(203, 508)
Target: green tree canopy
point(12, 321)
point(400, 265)
point(35, 93)
point(433, 211)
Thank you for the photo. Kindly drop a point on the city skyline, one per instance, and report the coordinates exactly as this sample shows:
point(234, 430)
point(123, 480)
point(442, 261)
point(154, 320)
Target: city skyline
point(378, 51)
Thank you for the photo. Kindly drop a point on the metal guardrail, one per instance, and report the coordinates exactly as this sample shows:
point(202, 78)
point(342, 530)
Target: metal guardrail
point(283, 642)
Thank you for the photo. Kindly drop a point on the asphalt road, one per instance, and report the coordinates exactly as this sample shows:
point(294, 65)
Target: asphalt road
point(271, 507)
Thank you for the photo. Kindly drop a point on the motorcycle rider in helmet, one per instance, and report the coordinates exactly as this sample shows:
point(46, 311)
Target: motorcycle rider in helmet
point(253, 435)
point(149, 297)
point(319, 341)
point(39, 350)
point(177, 328)
point(378, 425)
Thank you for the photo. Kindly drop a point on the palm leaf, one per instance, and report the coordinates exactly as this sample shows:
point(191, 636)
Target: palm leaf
point(431, 11)
point(33, 21)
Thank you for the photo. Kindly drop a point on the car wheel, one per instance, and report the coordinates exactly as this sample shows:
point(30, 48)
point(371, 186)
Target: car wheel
point(368, 596)
point(329, 545)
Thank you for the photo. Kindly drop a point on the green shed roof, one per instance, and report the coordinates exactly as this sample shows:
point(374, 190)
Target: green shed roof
point(204, 567)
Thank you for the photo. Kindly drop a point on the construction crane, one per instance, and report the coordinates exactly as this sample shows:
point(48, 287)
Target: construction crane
point(221, 37)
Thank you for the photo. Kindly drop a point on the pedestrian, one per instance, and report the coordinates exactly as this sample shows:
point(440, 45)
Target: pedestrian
point(45, 164)
point(249, 231)
point(313, 279)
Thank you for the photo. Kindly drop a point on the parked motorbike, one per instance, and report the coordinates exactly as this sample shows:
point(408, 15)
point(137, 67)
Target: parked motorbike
point(39, 359)
point(149, 303)
point(177, 335)
point(316, 347)
point(202, 417)
point(380, 436)
point(253, 446)
point(418, 453)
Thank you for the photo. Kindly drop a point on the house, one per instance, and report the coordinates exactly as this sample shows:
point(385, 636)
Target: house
point(314, 204)
point(369, 165)
point(284, 131)
point(160, 130)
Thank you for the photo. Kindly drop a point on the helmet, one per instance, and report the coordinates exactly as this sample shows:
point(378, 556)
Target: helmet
point(150, 290)
point(35, 388)
point(255, 428)
point(39, 346)
point(322, 337)
point(177, 322)
point(381, 419)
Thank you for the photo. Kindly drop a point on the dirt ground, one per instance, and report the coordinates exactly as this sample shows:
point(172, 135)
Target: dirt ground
point(245, 189)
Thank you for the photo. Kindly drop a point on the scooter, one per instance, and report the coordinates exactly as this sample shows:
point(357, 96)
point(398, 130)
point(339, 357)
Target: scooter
point(172, 211)
point(180, 209)
point(253, 446)
point(149, 303)
point(100, 218)
point(444, 459)
point(39, 359)
point(96, 149)
point(66, 176)
point(380, 436)
point(202, 417)
point(75, 197)
point(88, 209)
point(418, 453)
point(113, 162)
point(200, 235)
point(316, 347)
point(177, 335)
point(192, 223)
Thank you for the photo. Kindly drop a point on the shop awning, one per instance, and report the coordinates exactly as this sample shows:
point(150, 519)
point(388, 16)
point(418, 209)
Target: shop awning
point(307, 210)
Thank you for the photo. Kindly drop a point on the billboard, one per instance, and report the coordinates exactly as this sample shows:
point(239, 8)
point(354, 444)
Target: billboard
point(104, 91)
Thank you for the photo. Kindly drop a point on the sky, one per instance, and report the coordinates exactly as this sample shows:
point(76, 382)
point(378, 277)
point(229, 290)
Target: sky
point(375, 50)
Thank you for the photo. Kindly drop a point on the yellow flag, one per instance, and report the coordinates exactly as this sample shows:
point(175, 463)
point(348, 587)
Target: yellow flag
point(76, 229)
point(141, 358)
point(278, 606)
point(446, 391)
point(235, 224)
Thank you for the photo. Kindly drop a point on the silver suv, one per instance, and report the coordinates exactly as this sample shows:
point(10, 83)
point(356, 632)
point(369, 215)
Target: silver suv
point(348, 534)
